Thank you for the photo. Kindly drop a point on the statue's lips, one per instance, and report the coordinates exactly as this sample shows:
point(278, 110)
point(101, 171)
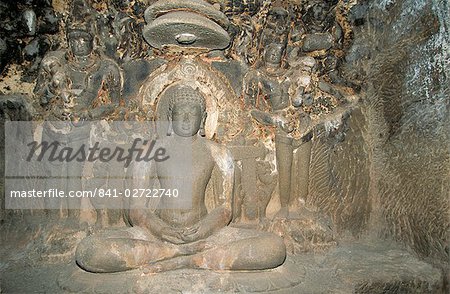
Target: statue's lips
point(186, 127)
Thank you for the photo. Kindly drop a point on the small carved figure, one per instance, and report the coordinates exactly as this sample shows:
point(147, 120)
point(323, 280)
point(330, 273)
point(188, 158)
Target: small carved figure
point(167, 239)
point(271, 80)
point(128, 23)
point(236, 7)
point(81, 82)
point(254, 185)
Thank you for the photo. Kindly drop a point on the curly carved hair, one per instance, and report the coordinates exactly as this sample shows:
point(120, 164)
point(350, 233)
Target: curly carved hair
point(188, 94)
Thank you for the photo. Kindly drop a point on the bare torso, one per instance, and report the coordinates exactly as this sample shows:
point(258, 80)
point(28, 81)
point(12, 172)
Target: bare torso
point(188, 170)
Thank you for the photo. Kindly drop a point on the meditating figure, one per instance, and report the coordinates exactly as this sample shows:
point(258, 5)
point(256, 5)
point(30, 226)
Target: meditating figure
point(181, 233)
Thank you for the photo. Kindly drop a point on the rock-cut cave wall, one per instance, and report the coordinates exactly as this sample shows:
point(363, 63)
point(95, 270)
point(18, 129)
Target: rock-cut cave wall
point(404, 58)
point(390, 177)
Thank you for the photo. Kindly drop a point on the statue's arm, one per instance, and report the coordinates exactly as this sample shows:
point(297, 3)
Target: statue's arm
point(251, 89)
point(111, 80)
point(115, 81)
point(221, 216)
point(46, 84)
point(285, 101)
point(142, 175)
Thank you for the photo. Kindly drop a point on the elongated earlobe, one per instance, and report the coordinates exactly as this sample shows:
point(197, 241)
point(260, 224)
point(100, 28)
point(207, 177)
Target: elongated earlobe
point(170, 126)
point(201, 131)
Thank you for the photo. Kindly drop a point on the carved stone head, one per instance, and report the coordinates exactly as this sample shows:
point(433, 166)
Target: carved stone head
point(187, 112)
point(81, 42)
point(273, 54)
point(278, 20)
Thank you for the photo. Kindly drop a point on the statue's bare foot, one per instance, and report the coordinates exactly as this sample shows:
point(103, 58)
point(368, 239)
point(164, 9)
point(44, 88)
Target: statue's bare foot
point(283, 213)
point(167, 265)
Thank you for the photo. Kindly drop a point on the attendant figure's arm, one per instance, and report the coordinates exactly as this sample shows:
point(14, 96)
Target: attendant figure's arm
point(285, 101)
point(251, 89)
point(108, 81)
point(114, 81)
point(48, 82)
point(278, 94)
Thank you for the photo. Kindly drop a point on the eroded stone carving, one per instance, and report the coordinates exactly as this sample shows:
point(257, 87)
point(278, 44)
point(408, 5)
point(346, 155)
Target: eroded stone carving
point(79, 83)
point(193, 23)
point(75, 85)
point(176, 238)
point(273, 83)
point(293, 123)
point(274, 95)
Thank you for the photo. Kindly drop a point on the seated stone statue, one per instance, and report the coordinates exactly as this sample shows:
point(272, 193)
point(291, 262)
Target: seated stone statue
point(168, 239)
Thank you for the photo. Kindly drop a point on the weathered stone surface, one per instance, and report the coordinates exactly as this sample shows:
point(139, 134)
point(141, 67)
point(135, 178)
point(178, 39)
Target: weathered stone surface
point(340, 173)
point(380, 267)
point(349, 268)
point(233, 7)
point(305, 231)
point(186, 29)
point(234, 71)
point(364, 103)
point(315, 42)
point(304, 80)
point(307, 61)
point(15, 108)
point(21, 22)
point(135, 73)
point(385, 269)
point(408, 124)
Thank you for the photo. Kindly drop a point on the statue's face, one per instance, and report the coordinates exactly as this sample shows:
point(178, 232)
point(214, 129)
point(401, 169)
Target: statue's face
point(81, 44)
point(186, 119)
point(278, 21)
point(273, 55)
